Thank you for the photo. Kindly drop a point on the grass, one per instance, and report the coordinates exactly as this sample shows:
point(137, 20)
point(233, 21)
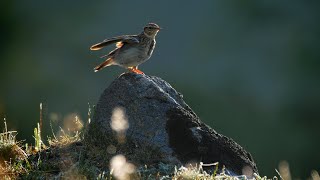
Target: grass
point(66, 157)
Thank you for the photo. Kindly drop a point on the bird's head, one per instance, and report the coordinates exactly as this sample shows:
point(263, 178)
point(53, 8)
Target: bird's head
point(151, 30)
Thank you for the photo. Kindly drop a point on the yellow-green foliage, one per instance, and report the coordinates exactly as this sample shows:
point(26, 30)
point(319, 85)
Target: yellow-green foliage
point(37, 138)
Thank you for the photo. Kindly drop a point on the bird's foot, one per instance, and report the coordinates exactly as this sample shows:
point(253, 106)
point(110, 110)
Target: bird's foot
point(135, 70)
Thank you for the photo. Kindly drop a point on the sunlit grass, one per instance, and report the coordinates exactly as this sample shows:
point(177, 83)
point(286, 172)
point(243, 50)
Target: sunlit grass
point(12, 156)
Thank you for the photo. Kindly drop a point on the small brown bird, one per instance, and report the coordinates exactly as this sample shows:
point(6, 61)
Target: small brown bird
point(131, 51)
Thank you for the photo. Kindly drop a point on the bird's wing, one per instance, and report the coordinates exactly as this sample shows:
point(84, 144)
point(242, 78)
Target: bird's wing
point(120, 40)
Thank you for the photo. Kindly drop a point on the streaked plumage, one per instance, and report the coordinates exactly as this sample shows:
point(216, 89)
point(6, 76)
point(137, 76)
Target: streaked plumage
point(131, 51)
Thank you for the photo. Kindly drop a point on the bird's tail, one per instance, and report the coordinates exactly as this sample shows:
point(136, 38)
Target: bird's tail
point(99, 46)
point(106, 63)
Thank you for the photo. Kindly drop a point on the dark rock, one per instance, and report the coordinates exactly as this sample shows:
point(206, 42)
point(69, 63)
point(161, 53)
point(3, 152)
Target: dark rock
point(162, 127)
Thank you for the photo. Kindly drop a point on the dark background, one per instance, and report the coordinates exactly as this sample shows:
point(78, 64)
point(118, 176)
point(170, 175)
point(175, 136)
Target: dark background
point(249, 69)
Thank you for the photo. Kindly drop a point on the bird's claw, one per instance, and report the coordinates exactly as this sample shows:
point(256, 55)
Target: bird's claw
point(137, 71)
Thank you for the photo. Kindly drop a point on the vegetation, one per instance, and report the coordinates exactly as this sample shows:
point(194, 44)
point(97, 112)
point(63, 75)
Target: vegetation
point(65, 157)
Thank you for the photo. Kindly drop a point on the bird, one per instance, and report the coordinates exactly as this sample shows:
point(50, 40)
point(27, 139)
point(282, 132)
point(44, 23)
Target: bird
point(131, 50)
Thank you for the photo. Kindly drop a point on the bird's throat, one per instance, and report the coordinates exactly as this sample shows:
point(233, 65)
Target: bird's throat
point(152, 36)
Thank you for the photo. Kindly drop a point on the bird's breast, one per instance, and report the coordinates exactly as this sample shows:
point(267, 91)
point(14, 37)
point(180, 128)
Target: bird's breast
point(132, 56)
point(151, 47)
point(130, 52)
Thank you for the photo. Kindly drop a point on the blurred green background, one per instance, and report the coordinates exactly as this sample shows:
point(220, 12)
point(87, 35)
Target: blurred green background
point(249, 69)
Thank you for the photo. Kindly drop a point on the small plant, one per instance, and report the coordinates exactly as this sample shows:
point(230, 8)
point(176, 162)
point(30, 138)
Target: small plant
point(37, 138)
point(37, 134)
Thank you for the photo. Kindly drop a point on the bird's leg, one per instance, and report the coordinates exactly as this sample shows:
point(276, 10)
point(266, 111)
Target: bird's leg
point(135, 70)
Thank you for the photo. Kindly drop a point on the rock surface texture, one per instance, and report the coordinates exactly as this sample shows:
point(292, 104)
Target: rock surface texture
point(156, 125)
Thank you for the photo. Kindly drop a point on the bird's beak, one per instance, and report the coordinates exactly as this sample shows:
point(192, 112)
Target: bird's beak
point(159, 28)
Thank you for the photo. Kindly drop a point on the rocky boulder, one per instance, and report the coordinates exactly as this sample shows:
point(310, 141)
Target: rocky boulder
point(146, 120)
